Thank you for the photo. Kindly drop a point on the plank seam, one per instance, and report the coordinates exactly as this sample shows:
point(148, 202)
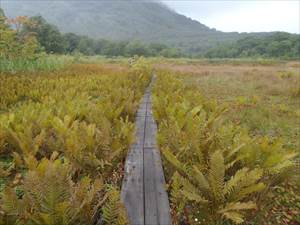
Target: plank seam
point(145, 117)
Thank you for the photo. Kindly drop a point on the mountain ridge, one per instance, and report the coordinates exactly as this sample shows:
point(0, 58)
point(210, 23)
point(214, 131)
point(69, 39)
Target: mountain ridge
point(150, 21)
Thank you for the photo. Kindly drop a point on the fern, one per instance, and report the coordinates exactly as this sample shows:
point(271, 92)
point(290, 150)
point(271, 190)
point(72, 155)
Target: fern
point(68, 141)
point(50, 196)
point(113, 210)
point(213, 191)
point(216, 175)
point(211, 165)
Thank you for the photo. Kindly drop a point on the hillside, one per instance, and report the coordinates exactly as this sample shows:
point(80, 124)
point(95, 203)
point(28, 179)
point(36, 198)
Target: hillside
point(123, 20)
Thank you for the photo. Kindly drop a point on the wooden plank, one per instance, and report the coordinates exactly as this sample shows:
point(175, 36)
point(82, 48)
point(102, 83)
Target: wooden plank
point(150, 188)
point(140, 131)
point(157, 209)
point(163, 206)
point(132, 193)
point(143, 189)
point(150, 134)
point(133, 187)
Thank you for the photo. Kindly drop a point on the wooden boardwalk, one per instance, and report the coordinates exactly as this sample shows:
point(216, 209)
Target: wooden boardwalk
point(143, 189)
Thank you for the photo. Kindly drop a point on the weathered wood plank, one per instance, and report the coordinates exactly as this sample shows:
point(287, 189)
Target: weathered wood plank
point(163, 206)
point(132, 192)
point(143, 189)
point(150, 188)
point(133, 188)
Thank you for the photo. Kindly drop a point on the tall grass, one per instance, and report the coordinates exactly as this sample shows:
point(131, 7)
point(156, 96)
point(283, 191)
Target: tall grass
point(41, 63)
point(217, 61)
point(99, 59)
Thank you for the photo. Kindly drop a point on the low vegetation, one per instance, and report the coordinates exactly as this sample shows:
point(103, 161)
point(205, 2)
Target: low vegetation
point(218, 172)
point(63, 139)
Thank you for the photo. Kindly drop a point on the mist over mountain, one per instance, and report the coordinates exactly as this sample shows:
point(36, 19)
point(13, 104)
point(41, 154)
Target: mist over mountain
point(149, 21)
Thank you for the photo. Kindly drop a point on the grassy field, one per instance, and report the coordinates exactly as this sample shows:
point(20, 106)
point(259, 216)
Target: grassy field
point(263, 97)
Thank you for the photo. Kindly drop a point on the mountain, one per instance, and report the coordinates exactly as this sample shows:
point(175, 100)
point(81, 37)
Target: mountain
point(148, 21)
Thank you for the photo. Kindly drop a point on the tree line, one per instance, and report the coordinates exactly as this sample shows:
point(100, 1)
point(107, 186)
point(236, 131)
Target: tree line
point(51, 40)
point(30, 35)
point(276, 45)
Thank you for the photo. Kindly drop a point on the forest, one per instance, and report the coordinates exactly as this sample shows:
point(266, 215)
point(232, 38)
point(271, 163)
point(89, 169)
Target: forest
point(51, 40)
point(276, 45)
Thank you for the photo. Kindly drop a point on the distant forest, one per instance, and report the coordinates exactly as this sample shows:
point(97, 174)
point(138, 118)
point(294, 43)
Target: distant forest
point(51, 40)
point(276, 45)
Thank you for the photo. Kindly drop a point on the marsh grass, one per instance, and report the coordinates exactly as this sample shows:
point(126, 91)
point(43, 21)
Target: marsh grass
point(98, 59)
point(264, 99)
point(40, 63)
point(218, 61)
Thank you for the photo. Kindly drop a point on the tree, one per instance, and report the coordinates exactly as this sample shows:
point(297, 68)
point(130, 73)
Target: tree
point(2, 13)
point(114, 48)
point(47, 35)
point(279, 45)
point(136, 48)
point(171, 53)
point(13, 43)
point(72, 41)
point(86, 46)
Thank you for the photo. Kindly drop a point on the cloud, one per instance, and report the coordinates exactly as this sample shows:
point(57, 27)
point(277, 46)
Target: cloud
point(243, 16)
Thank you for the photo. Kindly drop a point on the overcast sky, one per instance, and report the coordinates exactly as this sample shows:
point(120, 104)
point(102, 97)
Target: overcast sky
point(242, 15)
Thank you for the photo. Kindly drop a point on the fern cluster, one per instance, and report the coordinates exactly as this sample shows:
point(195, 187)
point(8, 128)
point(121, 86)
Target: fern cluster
point(217, 172)
point(65, 136)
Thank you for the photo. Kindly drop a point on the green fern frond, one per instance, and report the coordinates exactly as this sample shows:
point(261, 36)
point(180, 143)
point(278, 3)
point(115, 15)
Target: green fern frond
point(216, 175)
point(191, 192)
point(174, 161)
point(200, 180)
point(249, 190)
point(235, 217)
point(10, 203)
point(234, 180)
point(237, 206)
point(246, 182)
point(192, 195)
point(232, 211)
point(113, 211)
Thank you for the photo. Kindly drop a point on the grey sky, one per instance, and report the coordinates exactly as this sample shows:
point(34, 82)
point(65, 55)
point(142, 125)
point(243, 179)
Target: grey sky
point(242, 15)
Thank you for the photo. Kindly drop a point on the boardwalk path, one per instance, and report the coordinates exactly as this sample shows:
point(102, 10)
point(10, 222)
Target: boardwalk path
point(143, 189)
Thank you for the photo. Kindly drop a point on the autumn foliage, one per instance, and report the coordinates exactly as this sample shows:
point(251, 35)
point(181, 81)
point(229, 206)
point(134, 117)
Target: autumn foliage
point(13, 42)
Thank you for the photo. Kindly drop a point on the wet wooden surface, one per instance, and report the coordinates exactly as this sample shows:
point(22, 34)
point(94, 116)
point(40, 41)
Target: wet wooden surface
point(143, 189)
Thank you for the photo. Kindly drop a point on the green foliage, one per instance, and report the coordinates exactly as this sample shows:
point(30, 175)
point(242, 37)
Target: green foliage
point(47, 35)
point(216, 171)
point(113, 210)
point(2, 13)
point(32, 35)
point(277, 45)
point(20, 49)
point(59, 136)
point(53, 41)
point(41, 62)
point(51, 197)
point(13, 43)
point(213, 198)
